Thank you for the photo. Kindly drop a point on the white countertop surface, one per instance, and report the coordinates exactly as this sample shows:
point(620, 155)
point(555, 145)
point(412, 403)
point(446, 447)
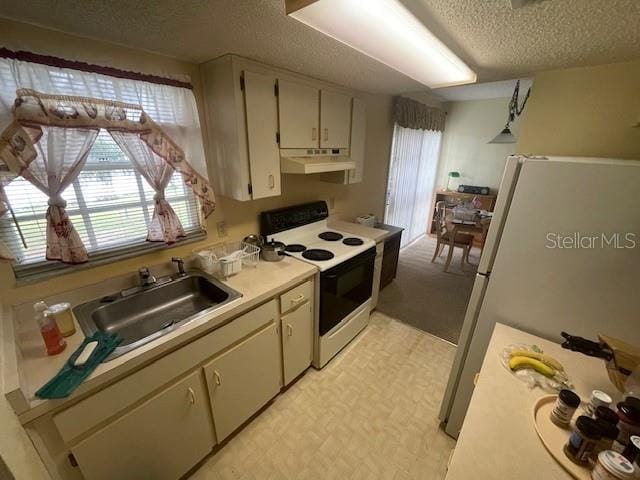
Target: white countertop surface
point(375, 234)
point(33, 368)
point(498, 438)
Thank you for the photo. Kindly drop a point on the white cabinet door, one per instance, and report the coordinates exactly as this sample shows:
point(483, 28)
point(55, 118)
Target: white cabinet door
point(161, 439)
point(262, 127)
point(244, 379)
point(297, 341)
point(335, 120)
point(299, 115)
point(358, 137)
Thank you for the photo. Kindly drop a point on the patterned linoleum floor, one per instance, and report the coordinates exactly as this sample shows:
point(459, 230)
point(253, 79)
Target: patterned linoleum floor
point(371, 413)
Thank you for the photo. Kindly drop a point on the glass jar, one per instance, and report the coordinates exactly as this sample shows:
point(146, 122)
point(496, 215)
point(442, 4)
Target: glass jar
point(583, 440)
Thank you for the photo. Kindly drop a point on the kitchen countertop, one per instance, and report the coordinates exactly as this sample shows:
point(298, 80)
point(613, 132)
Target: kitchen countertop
point(32, 368)
point(498, 438)
point(375, 234)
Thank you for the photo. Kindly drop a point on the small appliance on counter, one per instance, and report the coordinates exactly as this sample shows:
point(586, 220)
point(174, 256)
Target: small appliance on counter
point(368, 220)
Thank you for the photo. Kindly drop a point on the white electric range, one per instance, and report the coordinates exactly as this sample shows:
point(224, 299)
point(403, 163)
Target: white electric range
point(344, 283)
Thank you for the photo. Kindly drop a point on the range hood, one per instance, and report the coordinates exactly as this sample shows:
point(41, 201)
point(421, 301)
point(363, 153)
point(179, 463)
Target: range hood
point(315, 160)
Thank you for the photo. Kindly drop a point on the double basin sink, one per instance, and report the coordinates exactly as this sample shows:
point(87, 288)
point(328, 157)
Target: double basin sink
point(142, 314)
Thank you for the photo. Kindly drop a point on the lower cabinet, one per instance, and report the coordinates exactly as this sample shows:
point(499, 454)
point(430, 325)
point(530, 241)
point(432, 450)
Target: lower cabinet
point(297, 341)
point(161, 439)
point(243, 379)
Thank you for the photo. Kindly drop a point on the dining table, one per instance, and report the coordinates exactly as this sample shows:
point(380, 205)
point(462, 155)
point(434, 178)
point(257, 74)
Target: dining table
point(479, 225)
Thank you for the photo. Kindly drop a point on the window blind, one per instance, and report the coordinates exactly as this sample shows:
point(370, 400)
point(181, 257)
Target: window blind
point(110, 204)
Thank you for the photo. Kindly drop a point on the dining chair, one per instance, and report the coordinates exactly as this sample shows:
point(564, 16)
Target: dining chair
point(444, 236)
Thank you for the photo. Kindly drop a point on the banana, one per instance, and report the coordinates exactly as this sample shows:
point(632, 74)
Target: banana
point(517, 363)
point(546, 359)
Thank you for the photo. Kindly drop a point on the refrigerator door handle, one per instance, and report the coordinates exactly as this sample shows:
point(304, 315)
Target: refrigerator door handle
point(466, 334)
point(503, 202)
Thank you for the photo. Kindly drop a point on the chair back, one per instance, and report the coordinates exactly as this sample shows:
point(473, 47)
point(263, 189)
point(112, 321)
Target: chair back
point(440, 219)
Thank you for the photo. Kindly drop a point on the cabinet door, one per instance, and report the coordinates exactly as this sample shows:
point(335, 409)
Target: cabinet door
point(243, 379)
point(262, 127)
point(299, 115)
point(335, 120)
point(358, 137)
point(297, 340)
point(161, 439)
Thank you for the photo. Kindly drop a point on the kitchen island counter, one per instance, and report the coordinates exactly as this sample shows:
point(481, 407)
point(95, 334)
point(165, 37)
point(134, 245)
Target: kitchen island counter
point(498, 438)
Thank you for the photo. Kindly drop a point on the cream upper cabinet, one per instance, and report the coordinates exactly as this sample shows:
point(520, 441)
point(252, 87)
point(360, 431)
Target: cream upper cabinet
point(244, 378)
point(297, 341)
point(161, 439)
point(358, 137)
point(242, 127)
point(299, 115)
point(262, 123)
point(335, 120)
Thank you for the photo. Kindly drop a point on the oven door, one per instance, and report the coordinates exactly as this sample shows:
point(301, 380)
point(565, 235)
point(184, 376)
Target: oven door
point(344, 288)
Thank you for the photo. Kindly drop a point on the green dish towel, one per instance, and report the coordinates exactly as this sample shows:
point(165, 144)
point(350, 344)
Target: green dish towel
point(71, 376)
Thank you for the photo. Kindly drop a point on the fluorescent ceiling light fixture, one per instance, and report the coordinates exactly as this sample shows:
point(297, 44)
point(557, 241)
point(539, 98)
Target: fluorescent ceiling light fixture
point(386, 31)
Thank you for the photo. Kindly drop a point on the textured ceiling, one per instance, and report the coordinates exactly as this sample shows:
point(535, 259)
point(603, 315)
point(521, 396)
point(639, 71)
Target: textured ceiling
point(495, 40)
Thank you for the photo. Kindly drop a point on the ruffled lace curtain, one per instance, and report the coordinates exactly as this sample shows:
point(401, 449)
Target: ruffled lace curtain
point(165, 224)
point(5, 179)
point(46, 138)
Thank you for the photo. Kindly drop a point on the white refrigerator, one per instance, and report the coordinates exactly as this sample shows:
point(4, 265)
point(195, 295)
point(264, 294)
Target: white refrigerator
point(562, 254)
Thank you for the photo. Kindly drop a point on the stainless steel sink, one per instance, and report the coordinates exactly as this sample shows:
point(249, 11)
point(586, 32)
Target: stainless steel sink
point(142, 314)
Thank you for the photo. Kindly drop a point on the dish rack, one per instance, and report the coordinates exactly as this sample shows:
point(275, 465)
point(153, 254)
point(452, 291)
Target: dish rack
point(228, 258)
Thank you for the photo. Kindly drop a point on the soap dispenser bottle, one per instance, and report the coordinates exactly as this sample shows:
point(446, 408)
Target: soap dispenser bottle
point(49, 329)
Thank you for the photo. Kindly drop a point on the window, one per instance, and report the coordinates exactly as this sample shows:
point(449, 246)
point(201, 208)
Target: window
point(412, 174)
point(110, 205)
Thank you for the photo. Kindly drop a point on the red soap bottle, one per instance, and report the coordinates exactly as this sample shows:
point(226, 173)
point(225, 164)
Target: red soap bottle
point(49, 330)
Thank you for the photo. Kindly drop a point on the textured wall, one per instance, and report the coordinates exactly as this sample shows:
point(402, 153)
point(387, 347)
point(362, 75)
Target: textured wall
point(241, 217)
point(470, 125)
point(584, 111)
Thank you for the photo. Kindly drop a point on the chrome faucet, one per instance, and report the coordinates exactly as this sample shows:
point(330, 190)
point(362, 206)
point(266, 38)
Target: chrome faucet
point(180, 262)
point(146, 279)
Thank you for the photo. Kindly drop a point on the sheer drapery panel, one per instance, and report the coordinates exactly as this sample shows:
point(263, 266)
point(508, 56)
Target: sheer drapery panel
point(414, 162)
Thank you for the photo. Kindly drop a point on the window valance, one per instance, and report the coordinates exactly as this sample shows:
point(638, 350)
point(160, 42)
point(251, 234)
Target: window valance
point(50, 119)
point(59, 130)
point(409, 113)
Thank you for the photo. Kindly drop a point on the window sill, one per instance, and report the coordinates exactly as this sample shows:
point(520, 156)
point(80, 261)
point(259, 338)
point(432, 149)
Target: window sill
point(28, 275)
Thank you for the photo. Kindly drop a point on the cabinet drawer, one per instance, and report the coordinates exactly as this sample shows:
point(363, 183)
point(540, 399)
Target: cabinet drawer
point(296, 296)
point(297, 341)
point(106, 403)
point(161, 439)
point(243, 379)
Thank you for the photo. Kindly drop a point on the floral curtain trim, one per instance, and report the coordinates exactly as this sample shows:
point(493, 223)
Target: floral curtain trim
point(165, 225)
point(411, 114)
point(48, 143)
point(33, 109)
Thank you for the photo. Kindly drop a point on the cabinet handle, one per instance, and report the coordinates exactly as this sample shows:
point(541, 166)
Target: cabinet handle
point(298, 299)
point(272, 181)
point(326, 134)
point(192, 396)
point(289, 330)
point(314, 133)
point(217, 378)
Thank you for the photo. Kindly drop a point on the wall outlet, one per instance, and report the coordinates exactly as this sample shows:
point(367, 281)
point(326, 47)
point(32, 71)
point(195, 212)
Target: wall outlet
point(332, 203)
point(221, 226)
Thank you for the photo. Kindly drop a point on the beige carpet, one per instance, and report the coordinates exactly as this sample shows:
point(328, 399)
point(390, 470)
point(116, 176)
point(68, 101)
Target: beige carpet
point(371, 413)
point(424, 296)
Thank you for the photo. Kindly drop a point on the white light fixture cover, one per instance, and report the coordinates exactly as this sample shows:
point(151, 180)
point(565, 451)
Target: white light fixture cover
point(386, 31)
point(505, 136)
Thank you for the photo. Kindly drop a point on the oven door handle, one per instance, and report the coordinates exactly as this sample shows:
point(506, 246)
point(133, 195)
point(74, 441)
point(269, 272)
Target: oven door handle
point(349, 265)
